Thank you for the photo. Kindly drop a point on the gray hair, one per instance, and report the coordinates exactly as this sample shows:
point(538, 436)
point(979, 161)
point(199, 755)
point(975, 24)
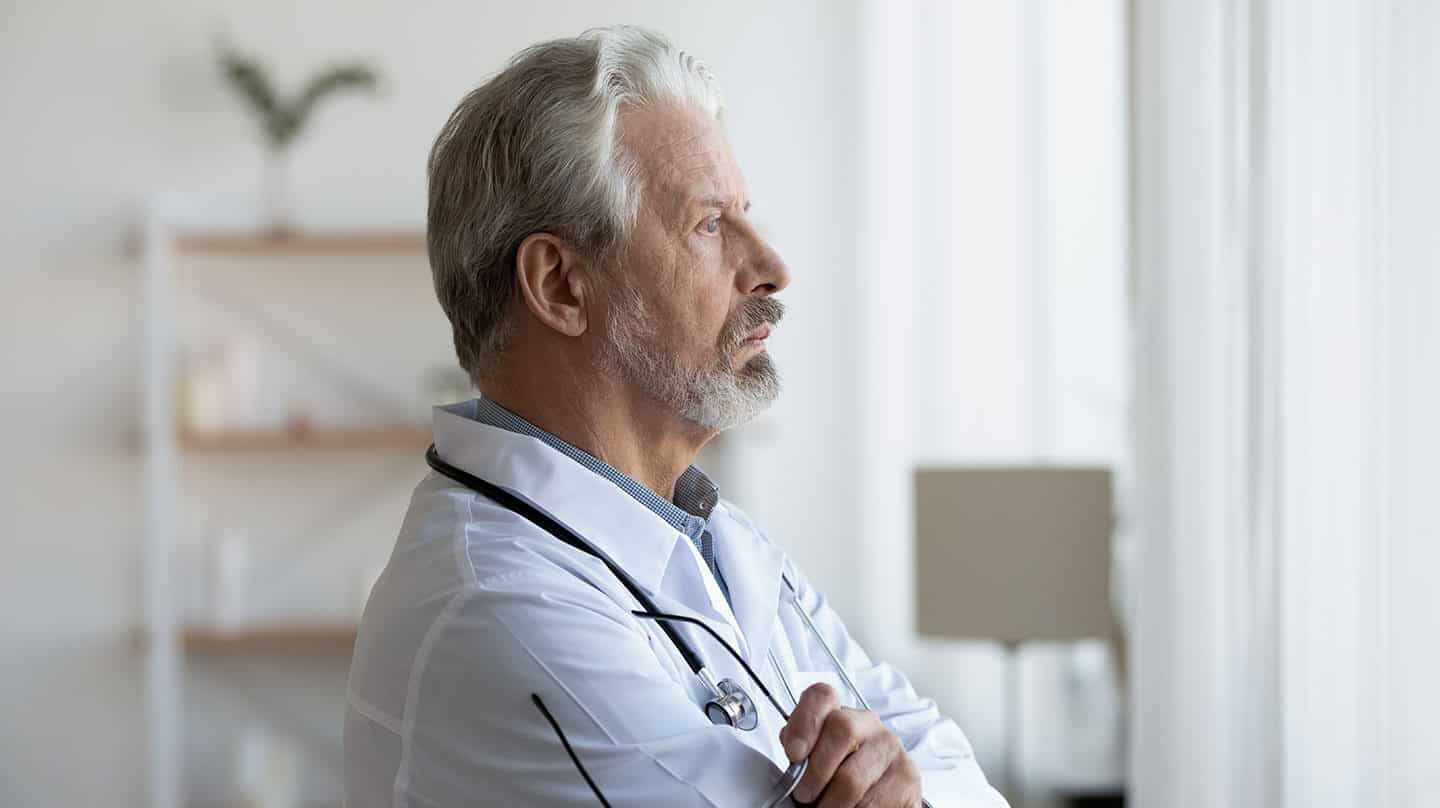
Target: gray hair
point(535, 149)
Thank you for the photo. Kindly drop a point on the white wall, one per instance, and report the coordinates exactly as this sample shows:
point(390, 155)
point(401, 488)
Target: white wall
point(107, 103)
point(1410, 702)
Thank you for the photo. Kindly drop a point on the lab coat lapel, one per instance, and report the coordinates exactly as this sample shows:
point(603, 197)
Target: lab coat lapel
point(703, 642)
point(612, 521)
point(630, 534)
point(752, 568)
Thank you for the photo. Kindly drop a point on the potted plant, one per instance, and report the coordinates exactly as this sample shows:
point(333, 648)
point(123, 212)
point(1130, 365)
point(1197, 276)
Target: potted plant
point(282, 119)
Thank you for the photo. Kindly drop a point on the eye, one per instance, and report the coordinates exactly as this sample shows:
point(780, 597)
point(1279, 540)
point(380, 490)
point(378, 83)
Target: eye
point(711, 225)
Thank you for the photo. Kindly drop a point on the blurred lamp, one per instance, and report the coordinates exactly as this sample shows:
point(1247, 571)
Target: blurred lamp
point(1015, 555)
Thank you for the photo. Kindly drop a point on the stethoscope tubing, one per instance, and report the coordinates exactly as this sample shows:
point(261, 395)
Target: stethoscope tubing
point(554, 527)
point(829, 652)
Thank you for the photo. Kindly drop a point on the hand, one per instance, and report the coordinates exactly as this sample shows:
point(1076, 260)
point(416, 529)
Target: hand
point(854, 759)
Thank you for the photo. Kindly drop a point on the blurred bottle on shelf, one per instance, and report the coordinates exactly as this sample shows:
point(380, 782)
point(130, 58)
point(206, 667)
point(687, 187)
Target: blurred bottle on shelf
point(269, 769)
point(220, 385)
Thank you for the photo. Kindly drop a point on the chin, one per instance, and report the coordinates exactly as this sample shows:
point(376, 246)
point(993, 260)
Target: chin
point(758, 365)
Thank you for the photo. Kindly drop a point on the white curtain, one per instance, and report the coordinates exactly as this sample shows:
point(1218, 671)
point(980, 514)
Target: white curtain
point(992, 313)
point(1286, 628)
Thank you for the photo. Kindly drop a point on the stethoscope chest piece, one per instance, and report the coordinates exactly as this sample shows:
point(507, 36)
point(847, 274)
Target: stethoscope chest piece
point(731, 706)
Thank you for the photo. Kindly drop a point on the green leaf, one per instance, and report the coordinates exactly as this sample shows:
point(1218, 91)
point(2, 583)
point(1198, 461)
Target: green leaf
point(280, 121)
point(252, 83)
point(330, 82)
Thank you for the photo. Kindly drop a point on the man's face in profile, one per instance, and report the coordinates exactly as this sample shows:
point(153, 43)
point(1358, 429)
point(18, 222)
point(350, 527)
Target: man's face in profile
point(691, 305)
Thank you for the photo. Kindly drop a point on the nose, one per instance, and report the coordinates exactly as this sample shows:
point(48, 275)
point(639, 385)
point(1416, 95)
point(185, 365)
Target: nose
point(764, 272)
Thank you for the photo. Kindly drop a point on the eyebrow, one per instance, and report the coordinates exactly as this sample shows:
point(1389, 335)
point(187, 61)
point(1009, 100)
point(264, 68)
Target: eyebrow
point(720, 202)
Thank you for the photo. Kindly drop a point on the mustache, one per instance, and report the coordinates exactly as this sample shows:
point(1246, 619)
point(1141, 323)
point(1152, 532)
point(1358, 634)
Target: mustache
point(755, 313)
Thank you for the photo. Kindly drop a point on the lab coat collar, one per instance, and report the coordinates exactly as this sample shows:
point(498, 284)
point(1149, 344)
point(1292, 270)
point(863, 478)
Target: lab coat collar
point(630, 534)
point(753, 566)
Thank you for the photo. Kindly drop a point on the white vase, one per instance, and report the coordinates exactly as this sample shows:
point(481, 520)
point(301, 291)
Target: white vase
point(275, 193)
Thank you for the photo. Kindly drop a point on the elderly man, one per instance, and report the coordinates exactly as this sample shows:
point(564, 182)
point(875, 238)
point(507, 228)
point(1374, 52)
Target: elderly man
point(611, 300)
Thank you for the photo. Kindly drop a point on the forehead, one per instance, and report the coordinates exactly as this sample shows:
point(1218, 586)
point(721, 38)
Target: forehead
point(682, 152)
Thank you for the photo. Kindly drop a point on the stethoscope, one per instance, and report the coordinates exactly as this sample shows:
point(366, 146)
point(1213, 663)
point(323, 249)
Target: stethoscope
point(729, 704)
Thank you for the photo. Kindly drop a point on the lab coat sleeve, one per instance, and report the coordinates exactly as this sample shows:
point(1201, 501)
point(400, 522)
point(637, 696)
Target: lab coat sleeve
point(472, 735)
point(952, 778)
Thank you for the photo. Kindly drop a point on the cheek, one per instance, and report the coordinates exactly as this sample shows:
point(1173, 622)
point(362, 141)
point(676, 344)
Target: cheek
point(692, 325)
point(698, 301)
point(714, 312)
point(696, 325)
point(693, 296)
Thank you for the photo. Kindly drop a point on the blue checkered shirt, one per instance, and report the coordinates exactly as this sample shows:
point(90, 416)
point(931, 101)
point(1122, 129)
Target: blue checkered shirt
point(695, 493)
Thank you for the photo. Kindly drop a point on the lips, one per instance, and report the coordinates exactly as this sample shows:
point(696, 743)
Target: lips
point(755, 340)
point(759, 334)
point(753, 325)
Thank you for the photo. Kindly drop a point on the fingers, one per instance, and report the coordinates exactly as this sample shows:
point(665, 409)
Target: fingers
point(898, 786)
point(860, 776)
point(843, 732)
point(854, 759)
point(803, 729)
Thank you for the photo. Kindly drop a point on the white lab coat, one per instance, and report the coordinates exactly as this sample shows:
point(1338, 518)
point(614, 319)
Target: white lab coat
point(478, 608)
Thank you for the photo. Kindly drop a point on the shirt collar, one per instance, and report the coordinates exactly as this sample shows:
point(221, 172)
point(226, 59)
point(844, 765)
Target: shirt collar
point(695, 493)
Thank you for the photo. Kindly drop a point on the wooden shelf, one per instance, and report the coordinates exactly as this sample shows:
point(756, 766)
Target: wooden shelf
point(337, 242)
point(311, 439)
point(298, 638)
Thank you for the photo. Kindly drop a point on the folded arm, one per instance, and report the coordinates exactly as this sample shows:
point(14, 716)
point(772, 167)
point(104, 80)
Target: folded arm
point(950, 776)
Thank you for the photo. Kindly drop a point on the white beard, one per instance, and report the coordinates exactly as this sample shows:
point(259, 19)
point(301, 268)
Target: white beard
point(714, 397)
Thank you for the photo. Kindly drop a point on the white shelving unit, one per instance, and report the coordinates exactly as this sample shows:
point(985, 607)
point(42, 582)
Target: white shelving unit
point(167, 637)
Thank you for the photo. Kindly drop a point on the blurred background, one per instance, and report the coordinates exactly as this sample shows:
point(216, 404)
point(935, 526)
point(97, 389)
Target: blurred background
point(1110, 374)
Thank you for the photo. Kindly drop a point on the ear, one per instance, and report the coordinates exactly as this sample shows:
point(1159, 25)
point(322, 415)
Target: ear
point(552, 280)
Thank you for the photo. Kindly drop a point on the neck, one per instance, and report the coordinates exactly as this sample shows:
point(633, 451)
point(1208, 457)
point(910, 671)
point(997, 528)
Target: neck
point(603, 416)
